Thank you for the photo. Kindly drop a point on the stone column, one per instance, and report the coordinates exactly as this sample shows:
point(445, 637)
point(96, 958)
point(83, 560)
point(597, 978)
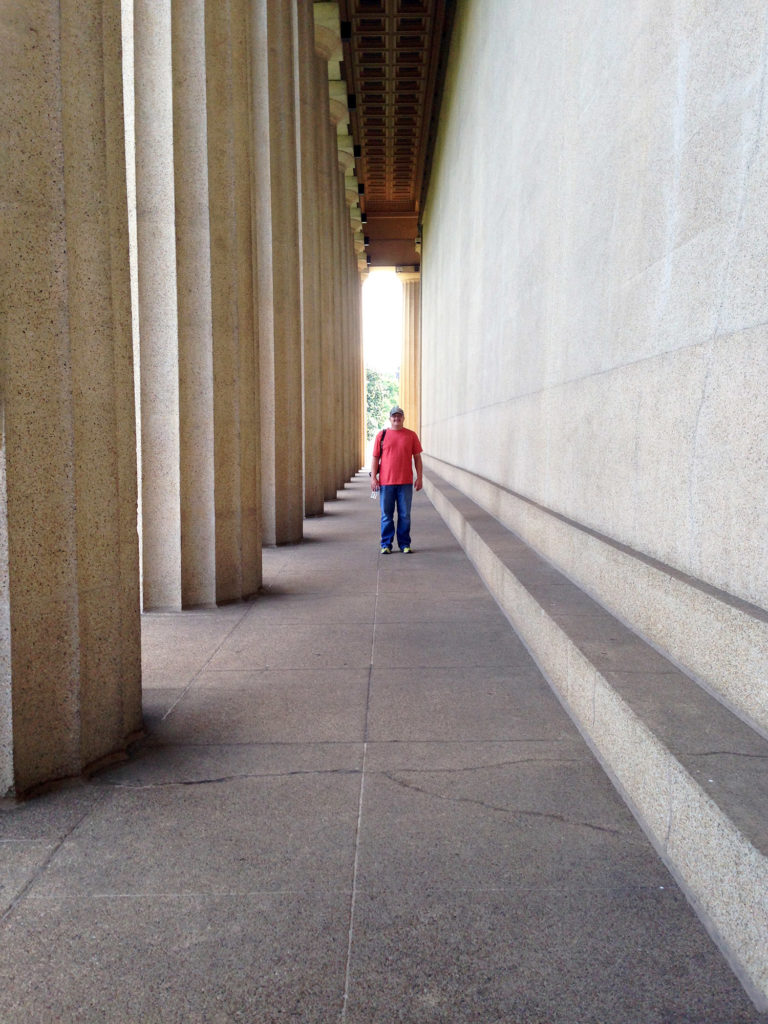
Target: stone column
point(360, 454)
point(346, 353)
point(410, 363)
point(358, 437)
point(158, 318)
point(326, 171)
point(339, 226)
point(129, 596)
point(353, 291)
point(69, 685)
point(309, 114)
point(238, 535)
point(247, 328)
point(193, 280)
point(350, 356)
point(7, 772)
point(279, 294)
point(342, 365)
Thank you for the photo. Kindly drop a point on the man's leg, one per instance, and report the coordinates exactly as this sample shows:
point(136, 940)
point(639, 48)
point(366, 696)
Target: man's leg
point(404, 498)
point(387, 497)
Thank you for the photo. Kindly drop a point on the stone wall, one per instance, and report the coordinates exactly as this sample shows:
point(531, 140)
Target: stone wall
point(594, 304)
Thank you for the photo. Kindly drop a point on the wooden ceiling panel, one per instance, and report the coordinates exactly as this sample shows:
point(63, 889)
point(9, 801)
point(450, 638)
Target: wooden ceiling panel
point(393, 50)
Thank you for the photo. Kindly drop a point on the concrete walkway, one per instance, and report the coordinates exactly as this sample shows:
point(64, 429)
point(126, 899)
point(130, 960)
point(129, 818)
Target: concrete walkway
point(358, 801)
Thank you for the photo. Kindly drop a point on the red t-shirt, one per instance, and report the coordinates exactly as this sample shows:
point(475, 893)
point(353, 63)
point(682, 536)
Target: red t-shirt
point(395, 461)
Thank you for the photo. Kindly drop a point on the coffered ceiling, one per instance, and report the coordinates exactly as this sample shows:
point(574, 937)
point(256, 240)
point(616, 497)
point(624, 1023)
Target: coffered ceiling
point(393, 65)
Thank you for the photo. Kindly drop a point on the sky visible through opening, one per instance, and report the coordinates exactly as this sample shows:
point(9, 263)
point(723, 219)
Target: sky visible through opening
point(382, 321)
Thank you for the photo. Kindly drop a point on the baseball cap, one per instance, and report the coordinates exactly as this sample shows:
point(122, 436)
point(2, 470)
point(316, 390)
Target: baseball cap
point(396, 409)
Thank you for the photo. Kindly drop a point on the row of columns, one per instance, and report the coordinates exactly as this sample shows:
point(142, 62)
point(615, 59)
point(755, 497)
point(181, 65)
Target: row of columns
point(248, 365)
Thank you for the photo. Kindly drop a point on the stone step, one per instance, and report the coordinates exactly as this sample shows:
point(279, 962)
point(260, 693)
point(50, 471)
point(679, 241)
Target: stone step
point(694, 774)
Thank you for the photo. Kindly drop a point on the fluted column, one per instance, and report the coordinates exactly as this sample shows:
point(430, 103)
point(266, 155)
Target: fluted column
point(128, 596)
point(69, 683)
point(350, 286)
point(158, 316)
point(7, 771)
point(310, 113)
point(360, 441)
point(193, 269)
point(235, 405)
point(248, 349)
point(326, 171)
point(279, 294)
point(346, 293)
point(340, 225)
point(342, 352)
point(410, 363)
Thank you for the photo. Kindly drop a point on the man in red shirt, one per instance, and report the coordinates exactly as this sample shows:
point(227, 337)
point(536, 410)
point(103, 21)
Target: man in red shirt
point(392, 477)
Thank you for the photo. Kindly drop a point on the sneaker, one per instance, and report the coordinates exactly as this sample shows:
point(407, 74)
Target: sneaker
point(406, 551)
point(386, 551)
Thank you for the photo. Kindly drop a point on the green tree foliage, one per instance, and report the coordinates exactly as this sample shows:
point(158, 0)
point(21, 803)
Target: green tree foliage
point(381, 393)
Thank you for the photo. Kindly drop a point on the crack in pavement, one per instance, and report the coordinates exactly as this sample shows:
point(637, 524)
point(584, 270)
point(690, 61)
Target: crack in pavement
point(107, 784)
point(493, 764)
point(229, 778)
point(727, 753)
point(512, 811)
point(215, 780)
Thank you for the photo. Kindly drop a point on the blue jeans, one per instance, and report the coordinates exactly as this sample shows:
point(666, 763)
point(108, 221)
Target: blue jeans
point(402, 495)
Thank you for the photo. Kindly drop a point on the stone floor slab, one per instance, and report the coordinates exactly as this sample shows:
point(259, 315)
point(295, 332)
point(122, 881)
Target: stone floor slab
point(266, 833)
point(549, 822)
point(464, 703)
point(302, 646)
point(270, 706)
point(175, 959)
point(452, 606)
point(176, 645)
point(608, 957)
point(286, 608)
point(418, 645)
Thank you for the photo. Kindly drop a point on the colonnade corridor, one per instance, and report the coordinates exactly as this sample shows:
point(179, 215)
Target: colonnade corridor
point(357, 800)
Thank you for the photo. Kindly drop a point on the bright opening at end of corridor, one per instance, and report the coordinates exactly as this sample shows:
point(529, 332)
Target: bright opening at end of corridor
point(382, 343)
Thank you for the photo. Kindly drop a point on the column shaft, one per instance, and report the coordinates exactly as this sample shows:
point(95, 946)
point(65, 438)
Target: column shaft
point(193, 280)
point(70, 676)
point(129, 596)
point(279, 296)
point(310, 114)
point(158, 317)
point(238, 548)
point(247, 327)
point(326, 163)
point(340, 213)
point(410, 363)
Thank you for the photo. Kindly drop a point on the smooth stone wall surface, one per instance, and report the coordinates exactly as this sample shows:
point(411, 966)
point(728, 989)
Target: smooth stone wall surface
point(594, 320)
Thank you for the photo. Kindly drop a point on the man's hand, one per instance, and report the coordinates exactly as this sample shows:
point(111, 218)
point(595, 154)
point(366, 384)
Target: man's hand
point(417, 465)
point(374, 482)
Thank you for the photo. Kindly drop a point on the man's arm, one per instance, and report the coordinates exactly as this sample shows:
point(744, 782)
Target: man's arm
point(375, 473)
point(417, 463)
